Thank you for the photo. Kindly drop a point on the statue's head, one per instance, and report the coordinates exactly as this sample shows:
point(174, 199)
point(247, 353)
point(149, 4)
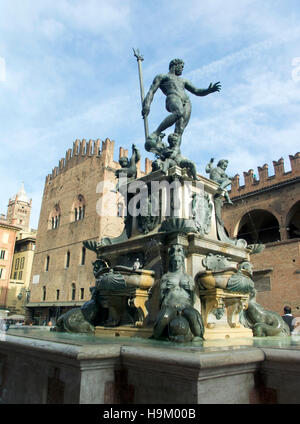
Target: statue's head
point(177, 65)
point(176, 257)
point(223, 163)
point(219, 312)
point(98, 265)
point(124, 162)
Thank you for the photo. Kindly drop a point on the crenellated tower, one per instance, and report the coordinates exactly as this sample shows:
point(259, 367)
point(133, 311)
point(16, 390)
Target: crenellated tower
point(19, 209)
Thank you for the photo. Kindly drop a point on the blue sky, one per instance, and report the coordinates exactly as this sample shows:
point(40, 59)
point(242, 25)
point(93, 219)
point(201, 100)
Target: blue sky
point(67, 71)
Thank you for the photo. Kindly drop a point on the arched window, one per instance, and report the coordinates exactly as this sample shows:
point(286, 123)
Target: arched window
point(259, 226)
point(293, 221)
point(73, 291)
point(54, 219)
point(78, 208)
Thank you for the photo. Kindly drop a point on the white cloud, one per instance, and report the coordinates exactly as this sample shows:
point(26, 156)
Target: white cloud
point(2, 70)
point(52, 29)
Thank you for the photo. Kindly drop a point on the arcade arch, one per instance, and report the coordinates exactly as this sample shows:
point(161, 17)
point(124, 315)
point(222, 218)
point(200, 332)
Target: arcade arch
point(293, 221)
point(259, 226)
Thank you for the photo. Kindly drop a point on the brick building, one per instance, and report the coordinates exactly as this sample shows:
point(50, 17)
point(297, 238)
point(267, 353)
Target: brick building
point(75, 206)
point(267, 210)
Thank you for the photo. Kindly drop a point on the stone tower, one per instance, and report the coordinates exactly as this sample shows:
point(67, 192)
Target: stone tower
point(18, 210)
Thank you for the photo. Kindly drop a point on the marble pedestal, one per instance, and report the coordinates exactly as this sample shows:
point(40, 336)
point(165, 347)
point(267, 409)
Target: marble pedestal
point(229, 326)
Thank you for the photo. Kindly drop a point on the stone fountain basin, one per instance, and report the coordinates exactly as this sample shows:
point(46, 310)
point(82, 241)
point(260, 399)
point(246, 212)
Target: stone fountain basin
point(215, 279)
point(140, 278)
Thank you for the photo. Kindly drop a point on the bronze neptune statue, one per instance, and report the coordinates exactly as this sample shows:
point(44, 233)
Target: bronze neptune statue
point(177, 101)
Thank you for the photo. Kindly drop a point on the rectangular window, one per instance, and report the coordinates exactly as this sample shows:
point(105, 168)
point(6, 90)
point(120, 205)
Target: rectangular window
point(68, 260)
point(47, 263)
point(73, 291)
point(17, 263)
point(36, 279)
point(1, 271)
point(83, 256)
point(20, 275)
point(2, 254)
point(15, 275)
point(81, 293)
point(57, 294)
point(22, 262)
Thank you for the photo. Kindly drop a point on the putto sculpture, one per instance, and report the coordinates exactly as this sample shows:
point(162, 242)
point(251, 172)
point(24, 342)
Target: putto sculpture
point(169, 156)
point(128, 167)
point(219, 175)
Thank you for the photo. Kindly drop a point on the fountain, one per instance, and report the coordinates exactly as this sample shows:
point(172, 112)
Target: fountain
point(172, 316)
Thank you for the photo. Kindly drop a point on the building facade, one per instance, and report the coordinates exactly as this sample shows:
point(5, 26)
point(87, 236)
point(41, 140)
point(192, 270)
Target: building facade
point(8, 232)
point(76, 206)
point(267, 210)
point(18, 294)
point(20, 253)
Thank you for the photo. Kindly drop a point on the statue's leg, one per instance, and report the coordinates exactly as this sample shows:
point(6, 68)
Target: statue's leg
point(225, 183)
point(195, 321)
point(184, 120)
point(164, 317)
point(173, 105)
point(186, 163)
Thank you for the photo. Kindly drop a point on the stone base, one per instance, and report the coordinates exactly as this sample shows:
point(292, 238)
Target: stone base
point(226, 332)
point(124, 331)
point(142, 373)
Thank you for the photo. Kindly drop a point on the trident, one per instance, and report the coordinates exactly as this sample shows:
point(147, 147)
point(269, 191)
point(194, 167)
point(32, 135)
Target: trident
point(139, 59)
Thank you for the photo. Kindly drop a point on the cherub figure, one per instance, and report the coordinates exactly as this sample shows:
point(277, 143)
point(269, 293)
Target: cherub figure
point(128, 167)
point(219, 175)
point(171, 156)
